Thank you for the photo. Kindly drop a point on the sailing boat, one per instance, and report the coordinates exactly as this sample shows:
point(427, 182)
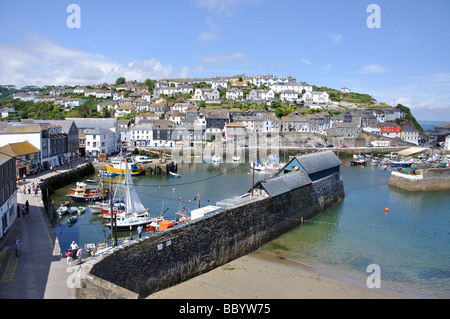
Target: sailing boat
point(135, 214)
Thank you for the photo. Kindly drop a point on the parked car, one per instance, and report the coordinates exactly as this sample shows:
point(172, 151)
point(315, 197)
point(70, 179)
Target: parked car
point(344, 146)
point(369, 145)
point(330, 146)
point(319, 145)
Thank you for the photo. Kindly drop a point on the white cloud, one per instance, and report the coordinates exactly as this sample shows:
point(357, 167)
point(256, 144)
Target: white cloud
point(336, 38)
point(224, 58)
point(212, 34)
point(372, 68)
point(430, 110)
point(42, 61)
point(306, 61)
point(225, 7)
point(207, 36)
point(327, 66)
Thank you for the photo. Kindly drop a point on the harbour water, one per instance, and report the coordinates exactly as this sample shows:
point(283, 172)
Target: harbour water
point(410, 243)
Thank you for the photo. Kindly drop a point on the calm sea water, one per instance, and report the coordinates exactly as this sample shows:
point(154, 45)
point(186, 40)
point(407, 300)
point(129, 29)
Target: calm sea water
point(410, 244)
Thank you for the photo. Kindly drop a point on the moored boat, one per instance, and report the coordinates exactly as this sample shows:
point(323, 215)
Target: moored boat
point(173, 174)
point(117, 166)
point(135, 214)
point(72, 220)
point(62, 210)
point(258, 166)
point(359, 162)
point(81, 209)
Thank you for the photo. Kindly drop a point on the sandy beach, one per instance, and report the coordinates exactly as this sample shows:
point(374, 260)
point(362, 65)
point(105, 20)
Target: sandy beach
point(261, 275)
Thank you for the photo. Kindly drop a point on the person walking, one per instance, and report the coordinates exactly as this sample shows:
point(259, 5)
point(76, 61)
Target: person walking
point(139, 231)
point(69, 257)
point(27, 207)
point(17, 246)
point(79, 255)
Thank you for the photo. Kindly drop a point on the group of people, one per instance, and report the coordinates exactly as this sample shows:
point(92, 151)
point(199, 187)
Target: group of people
point(28, 188)
point(74, 252)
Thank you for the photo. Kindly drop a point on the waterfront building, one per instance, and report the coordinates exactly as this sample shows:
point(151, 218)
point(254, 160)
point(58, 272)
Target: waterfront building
point(100, 140)
point(8, 195)
point(390, 130)
point(410, 134)
point(26, 155)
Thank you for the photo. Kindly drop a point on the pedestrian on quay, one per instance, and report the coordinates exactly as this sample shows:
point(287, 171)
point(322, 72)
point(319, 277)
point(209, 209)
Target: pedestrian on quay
point(27, 206)
point(79, 255)
point(139, 231)
point(18, 210)
point(17, 246)
point(69, 255)
point(24, 188)
point(29, 189)
point(74, 248)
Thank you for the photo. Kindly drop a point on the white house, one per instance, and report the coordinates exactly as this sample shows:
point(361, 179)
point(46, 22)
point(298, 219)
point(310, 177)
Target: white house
point(123, 111)
point(203, 94)
point(141, 135)
point(118, 96)
point(316, 97)
point(234, 94)
point(72, 102)
point(100, 140)
point(263, 95)
point(289, 95)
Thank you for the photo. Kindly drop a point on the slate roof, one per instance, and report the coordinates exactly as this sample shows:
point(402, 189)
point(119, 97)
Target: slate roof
point(317, 162)
point(284, 183)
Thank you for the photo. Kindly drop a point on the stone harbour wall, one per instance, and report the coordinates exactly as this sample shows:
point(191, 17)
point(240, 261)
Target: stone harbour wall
point(425, 180)
point(148, 265)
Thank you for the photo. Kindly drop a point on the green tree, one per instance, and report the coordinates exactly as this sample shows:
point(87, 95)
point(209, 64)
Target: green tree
point(120, 80)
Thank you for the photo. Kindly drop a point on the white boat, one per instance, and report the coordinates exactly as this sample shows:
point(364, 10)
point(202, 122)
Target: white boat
point(236, 158)
point(62, 210)
point(95, 208)
point(217, 159)
point(174, 174)
point(81, 209)
point(135, 214)
point(258, 166)
point(72, 210)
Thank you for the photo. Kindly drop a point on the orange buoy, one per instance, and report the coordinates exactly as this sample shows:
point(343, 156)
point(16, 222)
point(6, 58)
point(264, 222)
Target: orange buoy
point(386, 210)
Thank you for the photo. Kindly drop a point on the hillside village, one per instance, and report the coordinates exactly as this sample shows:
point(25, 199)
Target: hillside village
point(100, 119)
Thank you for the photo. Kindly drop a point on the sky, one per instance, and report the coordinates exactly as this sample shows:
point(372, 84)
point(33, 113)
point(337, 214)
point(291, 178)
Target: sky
point(398, 53)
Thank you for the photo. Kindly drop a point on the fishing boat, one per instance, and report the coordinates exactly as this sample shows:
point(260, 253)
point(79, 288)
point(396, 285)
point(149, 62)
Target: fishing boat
point(400, 164)
point(135, 214)
point(117, 166)
point(62, 210)
point(83, 196)
point(359, 162)
point(89, 195)
point(174, 174)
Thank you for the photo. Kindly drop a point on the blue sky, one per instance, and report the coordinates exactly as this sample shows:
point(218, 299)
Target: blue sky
point(322, 42)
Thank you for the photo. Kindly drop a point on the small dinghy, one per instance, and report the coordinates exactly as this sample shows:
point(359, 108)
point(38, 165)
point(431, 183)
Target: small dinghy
point(81, 209)
point(72, 220)
point(62, 210)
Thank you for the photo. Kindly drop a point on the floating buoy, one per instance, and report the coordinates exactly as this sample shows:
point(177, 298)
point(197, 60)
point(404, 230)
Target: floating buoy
point(386, 210)
point(173, 189)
